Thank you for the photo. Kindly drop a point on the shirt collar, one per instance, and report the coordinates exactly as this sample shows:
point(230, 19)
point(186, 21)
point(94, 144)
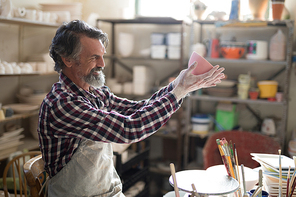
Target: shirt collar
point(73, 87)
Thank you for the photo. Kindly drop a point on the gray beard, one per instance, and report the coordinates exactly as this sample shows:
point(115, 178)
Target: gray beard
point(93, 80)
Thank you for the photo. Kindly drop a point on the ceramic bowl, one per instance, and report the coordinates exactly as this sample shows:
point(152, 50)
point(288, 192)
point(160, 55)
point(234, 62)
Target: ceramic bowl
point(203, 65)
point(32, 99)
point(251, 176)
point(172, 194)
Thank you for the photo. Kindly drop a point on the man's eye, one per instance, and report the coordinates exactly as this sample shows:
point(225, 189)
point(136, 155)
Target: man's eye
point(94, 58)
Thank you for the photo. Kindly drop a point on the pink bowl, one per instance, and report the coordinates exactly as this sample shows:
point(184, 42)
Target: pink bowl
point(203, 65)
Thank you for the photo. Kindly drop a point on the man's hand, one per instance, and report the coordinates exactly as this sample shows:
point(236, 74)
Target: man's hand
point(187, 82)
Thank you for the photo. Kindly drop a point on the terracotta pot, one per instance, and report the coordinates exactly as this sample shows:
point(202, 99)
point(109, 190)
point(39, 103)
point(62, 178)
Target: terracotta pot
point(258, 8)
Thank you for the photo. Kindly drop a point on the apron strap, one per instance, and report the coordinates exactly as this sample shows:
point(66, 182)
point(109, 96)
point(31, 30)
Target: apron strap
point(45, 184)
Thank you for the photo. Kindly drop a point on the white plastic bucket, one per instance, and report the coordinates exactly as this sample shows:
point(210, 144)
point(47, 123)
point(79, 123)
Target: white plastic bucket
point(200, 123)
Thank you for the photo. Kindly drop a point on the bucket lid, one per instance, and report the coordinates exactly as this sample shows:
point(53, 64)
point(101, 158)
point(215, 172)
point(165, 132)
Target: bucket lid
point(200, 118)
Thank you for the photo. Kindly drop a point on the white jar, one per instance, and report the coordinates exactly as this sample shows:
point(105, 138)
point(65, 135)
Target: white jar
point(277, 47)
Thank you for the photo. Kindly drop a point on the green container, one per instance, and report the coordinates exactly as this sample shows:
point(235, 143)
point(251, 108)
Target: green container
point(227, 118)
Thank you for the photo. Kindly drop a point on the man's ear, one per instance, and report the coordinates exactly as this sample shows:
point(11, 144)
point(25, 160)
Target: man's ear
point(67, 61)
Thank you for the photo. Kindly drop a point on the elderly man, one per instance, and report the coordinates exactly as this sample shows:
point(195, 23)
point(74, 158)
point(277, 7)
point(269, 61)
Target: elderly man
point(80, 117)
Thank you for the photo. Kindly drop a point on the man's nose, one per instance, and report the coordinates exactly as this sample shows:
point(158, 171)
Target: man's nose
point(101, 63)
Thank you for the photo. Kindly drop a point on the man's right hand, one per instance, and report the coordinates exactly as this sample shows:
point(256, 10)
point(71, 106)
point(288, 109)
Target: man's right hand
point(187, 82)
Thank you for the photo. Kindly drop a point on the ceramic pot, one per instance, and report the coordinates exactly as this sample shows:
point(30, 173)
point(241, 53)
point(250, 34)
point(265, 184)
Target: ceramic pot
point(258, 8)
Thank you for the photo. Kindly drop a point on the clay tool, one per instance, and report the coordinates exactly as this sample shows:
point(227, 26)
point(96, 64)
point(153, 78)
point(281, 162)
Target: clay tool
point(257, 192)
point(288, 181)
point(237, 168)
point(173, 172)
point(194, 190)
point(260, 183)
point(293, 182)
point(244, 181)
point(280, 174)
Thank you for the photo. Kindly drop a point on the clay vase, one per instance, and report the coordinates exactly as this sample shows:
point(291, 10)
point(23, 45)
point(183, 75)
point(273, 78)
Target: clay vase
point(258, 8)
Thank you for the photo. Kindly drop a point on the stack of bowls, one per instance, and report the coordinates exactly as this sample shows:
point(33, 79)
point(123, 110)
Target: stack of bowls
point(226, 88)
point(75, 10)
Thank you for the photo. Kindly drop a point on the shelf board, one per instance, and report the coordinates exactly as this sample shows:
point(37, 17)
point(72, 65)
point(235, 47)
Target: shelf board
point(28, 74)
point(245, 23)
point(21, 21)
point(20, 116)
point(235, 99)
point(134, 159)
point(138, 58)
point(28, 143)
point(199, 135)
point(212, 60)
point(148, 20)
point(164, 134)
point(245, 61)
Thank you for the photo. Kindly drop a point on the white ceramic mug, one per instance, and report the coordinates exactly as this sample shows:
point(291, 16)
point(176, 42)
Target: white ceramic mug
point(257, 50)
point(31, 15)
point(19, 12)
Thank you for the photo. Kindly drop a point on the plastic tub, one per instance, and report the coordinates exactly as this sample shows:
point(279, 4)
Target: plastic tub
point(268, 88)
point(200, 123)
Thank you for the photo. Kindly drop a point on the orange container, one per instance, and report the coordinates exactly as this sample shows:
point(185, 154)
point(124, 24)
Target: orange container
point(232, 50)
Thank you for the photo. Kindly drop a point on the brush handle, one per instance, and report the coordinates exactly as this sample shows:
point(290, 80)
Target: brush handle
point(244, 180)
point(173, 172)
point(260, 183)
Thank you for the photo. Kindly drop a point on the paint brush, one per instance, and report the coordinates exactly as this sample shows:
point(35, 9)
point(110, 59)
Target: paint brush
point(224, 160)
point(233, 159)
point(227, 154)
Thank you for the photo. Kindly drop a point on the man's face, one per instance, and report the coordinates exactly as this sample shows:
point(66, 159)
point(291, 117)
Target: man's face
point(91, 62)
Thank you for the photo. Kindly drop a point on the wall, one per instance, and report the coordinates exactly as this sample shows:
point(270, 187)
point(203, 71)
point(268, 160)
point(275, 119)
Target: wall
point(116, 9)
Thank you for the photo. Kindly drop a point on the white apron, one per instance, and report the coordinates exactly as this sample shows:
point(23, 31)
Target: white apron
point(89, 173)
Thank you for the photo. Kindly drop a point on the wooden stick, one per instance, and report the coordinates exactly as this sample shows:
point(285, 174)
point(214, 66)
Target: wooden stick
point(260, 183)
point(280, 176)
point(194, 190)
point(244, 182)
point(173, 172)
point(288, 180)
point(237, 170)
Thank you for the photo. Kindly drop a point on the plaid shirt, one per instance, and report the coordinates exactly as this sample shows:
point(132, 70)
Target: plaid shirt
point(70, 114)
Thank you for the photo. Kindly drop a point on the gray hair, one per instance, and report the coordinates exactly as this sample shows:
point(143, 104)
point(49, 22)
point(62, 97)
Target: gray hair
point(66, 42)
